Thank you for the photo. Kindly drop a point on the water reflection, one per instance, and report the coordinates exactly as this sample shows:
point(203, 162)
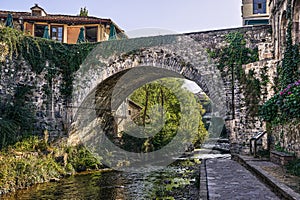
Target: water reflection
point(108, 185)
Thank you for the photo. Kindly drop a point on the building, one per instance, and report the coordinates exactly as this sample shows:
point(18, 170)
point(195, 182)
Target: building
point(62, 28)
point(127, 112)
point(279, 22)
point(255, 12)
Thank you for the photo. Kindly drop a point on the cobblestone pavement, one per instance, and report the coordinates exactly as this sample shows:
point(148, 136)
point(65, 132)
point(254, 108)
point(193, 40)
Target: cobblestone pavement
point(228, 180)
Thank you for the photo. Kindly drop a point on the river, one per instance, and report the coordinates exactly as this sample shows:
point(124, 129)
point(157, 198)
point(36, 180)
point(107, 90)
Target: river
point(177, 181)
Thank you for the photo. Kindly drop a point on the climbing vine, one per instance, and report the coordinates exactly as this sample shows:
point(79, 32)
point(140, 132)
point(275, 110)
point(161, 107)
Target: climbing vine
point(42, 54)
point(231, 59)
point(10, 40)
point(284, 106)
point(288, 70)
point(16, 116)
point(56, 59)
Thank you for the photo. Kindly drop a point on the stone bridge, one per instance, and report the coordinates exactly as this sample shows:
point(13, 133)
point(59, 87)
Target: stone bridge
point(114, 69)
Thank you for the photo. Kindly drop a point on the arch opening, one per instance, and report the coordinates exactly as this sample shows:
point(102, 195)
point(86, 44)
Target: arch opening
point(106, 82)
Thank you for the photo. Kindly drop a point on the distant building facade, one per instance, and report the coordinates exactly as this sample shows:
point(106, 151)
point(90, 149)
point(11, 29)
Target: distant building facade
point(128, 111)
point(255, 12)
point(279, 21)
point(62, 28)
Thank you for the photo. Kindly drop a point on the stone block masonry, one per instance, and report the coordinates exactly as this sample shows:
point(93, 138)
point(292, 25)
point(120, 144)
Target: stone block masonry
point(188, 57)
point(288, 137)
point(47, 101)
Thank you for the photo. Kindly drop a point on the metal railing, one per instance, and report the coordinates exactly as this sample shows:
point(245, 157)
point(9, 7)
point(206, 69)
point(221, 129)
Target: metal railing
point(254, 142)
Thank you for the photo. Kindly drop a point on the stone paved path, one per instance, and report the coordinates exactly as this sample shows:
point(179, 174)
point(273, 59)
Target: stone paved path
point(228, 180)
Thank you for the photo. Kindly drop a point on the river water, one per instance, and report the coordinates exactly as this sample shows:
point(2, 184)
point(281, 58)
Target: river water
point(177, 181)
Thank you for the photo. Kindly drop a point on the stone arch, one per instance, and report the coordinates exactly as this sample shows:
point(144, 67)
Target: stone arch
point(282, 31)
point(296, 21)
point(175, 53)
point(170, 56)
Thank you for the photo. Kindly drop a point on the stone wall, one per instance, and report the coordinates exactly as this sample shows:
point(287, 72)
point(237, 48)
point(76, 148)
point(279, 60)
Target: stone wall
point(244, 127)
point(175, 56)
point(48, 103)
point(279, 22)
point(182, 58)
point(288, 137)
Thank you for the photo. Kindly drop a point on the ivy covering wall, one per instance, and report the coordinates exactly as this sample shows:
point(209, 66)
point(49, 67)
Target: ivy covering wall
point(284, 106)
point(62, 58)
point(231, 59)
point(17, 115)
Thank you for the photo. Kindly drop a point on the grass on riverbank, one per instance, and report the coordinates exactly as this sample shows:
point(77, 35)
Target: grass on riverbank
point(33, 161)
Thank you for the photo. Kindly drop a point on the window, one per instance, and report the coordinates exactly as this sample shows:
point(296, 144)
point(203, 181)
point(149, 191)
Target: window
point(91, 33)
point(39, 30)
point(259, 6)
point(256, 22)
point(57, 33)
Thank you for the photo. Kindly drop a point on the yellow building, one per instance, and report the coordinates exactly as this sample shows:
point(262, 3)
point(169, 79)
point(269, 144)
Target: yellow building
point(62, 28)
point(255, 12)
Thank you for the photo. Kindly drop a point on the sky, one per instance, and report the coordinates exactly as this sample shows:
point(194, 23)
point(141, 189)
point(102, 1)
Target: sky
point(174, 16)
point(147, 17)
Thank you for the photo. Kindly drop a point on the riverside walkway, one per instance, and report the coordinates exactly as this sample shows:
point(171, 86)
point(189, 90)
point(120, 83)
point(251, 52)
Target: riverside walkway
point(227, 179)
point(241, 177)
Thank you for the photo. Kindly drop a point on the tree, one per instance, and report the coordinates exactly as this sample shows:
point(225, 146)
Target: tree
point(83, 12)
point(162, 116)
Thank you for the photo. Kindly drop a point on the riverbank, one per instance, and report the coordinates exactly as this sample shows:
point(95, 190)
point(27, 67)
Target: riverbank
point(32, 161)
point(179, 180)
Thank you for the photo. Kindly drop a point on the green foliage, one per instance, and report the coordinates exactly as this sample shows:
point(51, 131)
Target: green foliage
point(234, 55)
point(173, 184)
point(17, 118)
point(63, 59)
point(288, 70)
point(12, 38)
point(284, 106)
point(25, 164)
point(269, 110)
point(28, 144)
point(83, 12)
point(279, 148)
point(252, 91)
point(153, 97)
point(231, 59)
point(81, 159)
point(33, 161)
point(8, 131)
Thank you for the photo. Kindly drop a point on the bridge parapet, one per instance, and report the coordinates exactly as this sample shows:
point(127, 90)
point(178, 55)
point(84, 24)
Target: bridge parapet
point(183, 54)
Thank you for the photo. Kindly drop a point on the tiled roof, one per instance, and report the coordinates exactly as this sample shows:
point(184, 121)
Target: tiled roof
point(52, 18)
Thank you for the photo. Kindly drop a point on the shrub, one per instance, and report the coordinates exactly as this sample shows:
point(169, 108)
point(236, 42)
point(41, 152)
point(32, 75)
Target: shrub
point(283, 106)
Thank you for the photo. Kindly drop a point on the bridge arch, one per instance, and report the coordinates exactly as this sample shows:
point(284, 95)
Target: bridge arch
point(178, 54)
point(133, 63)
